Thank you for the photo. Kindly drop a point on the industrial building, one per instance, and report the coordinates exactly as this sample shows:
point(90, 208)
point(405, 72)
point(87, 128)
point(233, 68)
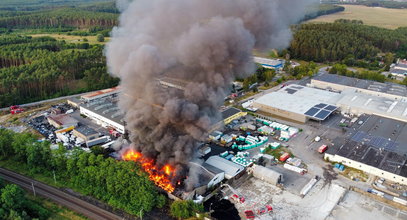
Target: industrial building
point(340, 83)
point(357, 103)
point(298, 103)
point(399, 70)
point(106, 113)
point(62, 121)
point(170, 82)
point(230, 114)
point(375, 145)
point(105, 93)
point(75, 102)
point(276, 64)
point(266, 174)
point(85, 133)
point(231, 169)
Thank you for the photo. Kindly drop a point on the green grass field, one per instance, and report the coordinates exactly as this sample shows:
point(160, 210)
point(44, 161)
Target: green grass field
point(381, 17)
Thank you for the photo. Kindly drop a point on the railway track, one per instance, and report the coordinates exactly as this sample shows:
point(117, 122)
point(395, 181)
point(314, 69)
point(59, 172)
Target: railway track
point(89, 210)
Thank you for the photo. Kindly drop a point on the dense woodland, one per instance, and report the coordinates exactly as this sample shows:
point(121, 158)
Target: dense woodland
point(40, 68)
point(121, 184)
point(335, 41)
point(54, 18)
point(31, 5)
point(322, 9)
point(384, 4)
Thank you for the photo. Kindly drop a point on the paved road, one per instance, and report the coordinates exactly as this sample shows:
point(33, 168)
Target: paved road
point(71, 202)
point(47, 100)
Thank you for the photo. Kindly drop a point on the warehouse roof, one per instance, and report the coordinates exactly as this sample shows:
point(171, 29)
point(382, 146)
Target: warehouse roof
point(269, 62)
point(378, 142)
point(398, 71)
point(100, 94)
point(390, 88)
point(229, 112)
point(231, 169)
point(63, 119)
point(107, 109)
point(300, 100)
point(205, 173)
point(85, 130)
point(382, 106)
point(173, 82)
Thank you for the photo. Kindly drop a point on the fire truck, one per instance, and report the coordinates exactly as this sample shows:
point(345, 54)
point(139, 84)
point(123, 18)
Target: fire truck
point(15, 109)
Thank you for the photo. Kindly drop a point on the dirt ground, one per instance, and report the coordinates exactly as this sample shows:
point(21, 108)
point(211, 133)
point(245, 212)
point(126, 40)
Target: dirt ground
point(357, 206)
point(317, 204)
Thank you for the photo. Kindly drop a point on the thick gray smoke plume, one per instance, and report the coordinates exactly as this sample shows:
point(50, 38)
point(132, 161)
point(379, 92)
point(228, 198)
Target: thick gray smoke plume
point(205, 44)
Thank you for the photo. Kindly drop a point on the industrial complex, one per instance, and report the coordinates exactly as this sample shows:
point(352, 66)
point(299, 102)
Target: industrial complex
point(376, 141)
point(281, 142)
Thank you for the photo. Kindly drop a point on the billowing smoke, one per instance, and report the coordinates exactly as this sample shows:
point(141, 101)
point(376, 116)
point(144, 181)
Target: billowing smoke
point(202, 45)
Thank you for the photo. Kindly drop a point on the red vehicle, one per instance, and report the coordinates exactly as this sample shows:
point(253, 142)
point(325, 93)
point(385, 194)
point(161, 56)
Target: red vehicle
point(284, 157)
point(322, 149)
point(265, 209)
point(15, 109)
point(237, 198)
point(249, 214)
point(114, 133)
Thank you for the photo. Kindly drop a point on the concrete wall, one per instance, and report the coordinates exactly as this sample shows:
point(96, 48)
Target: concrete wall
point(366, 168)
point(281, 113)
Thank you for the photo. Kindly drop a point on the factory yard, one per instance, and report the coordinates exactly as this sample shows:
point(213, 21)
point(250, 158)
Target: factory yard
point(318, 204)
point(356, 206)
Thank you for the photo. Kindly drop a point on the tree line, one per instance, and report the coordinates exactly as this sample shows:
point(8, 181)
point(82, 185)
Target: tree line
point(335, 41)
point(62, 17)
point(322, 9)
point(34, 69)
point(342, 69)
point(383, 4)
point(121, 184)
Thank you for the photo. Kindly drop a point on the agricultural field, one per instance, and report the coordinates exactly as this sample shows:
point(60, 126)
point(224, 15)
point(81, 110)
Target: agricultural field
point(375, 16)
point(72, 38)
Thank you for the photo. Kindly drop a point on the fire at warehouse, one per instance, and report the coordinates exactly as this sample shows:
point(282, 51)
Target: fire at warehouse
point(205, 45)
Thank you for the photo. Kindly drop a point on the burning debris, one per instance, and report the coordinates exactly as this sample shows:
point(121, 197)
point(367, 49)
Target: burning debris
point(207, 44)
point(160, 176)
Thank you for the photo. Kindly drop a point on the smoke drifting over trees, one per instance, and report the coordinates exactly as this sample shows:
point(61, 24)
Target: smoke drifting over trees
point(204, 43)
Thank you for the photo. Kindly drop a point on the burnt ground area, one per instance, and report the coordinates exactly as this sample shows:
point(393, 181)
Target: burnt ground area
point(221, 208)
point(329, 174)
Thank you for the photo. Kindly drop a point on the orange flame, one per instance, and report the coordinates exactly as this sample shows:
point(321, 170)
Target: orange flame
point(160, 177)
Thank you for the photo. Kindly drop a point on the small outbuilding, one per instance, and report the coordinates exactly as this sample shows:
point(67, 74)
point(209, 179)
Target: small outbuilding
point(268, 175)
point(85, 133)
point(62, 121)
